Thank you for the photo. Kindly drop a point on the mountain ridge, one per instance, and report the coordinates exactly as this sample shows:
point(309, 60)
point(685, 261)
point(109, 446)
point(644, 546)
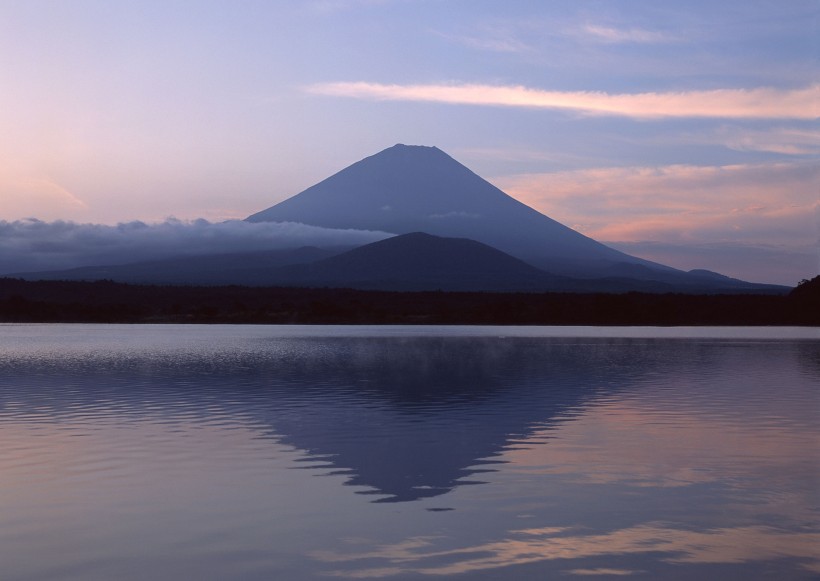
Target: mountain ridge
point(408, 262)
point(413, 188)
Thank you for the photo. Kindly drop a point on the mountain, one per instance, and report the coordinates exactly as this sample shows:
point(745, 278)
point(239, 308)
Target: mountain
point(413, 261)
point(419, 261)
point(408, 262)
point(455, 231)
point(407, 189)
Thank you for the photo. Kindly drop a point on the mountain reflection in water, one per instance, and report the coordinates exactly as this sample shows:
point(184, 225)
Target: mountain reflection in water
point(598, 456)
point(407, 418)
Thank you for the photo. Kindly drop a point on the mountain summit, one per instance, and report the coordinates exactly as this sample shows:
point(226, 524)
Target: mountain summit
point(407, 189)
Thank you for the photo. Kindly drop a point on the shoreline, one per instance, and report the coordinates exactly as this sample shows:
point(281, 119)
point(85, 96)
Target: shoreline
point(109, 302)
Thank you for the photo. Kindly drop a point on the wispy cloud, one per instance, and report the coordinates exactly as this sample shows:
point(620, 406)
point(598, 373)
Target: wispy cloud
point(494, 43)
point(679, 202)
point(759, 103)
point(609, 34)
point(533, 35)
point(24, 194)
point(31, 245)
point(783, 140)
point(795, 139)
point(332, 7)
point(493, 37)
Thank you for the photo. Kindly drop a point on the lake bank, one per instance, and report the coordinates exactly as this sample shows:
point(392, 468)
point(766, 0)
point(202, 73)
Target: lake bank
point(109, 302)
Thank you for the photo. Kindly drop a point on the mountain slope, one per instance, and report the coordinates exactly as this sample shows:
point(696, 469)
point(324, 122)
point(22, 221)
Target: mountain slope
point(421, 189)
point(419, 261)
point(413, 261)
point(409, 262)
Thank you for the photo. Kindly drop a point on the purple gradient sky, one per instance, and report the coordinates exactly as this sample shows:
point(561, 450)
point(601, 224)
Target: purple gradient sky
point(681, 132)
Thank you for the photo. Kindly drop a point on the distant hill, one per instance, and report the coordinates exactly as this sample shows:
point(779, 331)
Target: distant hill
point(248, 268)
point(409, 262)
point(413, 261)
point(419, 261)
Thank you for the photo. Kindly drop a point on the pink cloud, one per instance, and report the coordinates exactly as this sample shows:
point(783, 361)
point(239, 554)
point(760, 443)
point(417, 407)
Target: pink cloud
point(754, 203)
point(782, 140)
point(761, 103)
point(754, 222)
point(421, 555)
point(25, 196)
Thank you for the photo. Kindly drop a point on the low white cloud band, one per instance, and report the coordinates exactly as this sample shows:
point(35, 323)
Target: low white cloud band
point(32, 245)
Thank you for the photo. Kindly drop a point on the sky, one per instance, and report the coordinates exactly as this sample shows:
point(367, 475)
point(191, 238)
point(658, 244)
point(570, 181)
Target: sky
point(682, 132)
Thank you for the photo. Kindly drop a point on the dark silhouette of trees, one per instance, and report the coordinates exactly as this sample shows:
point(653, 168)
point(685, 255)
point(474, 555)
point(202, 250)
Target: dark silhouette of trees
point(106, 301)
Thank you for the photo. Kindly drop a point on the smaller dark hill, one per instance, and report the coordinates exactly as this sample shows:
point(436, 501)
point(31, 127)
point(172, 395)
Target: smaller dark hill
point(422, 262)
point(419, 261)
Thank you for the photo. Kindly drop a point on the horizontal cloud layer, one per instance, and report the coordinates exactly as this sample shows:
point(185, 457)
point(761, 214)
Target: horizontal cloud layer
point(32, 245)
point(760, 103)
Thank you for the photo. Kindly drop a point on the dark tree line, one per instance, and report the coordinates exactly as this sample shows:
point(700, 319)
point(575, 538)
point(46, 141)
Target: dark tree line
point(109, 302)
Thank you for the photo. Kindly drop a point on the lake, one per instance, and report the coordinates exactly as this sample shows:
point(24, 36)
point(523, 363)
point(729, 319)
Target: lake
point(262, 452)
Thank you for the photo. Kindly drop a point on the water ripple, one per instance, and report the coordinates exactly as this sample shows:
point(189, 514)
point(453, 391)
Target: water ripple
point(249, 451)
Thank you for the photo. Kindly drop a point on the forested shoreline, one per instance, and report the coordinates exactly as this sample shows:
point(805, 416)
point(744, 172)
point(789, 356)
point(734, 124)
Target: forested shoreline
point(109, 302)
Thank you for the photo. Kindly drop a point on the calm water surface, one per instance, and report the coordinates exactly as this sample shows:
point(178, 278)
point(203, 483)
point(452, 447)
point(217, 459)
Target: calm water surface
point(254, 452)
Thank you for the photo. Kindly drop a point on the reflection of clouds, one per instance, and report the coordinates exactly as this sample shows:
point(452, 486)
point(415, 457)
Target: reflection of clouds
point(656, 447)
point(693, 431)
point(715, 546)
point(602, 571)
point(757, 457)
point(61, 460)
